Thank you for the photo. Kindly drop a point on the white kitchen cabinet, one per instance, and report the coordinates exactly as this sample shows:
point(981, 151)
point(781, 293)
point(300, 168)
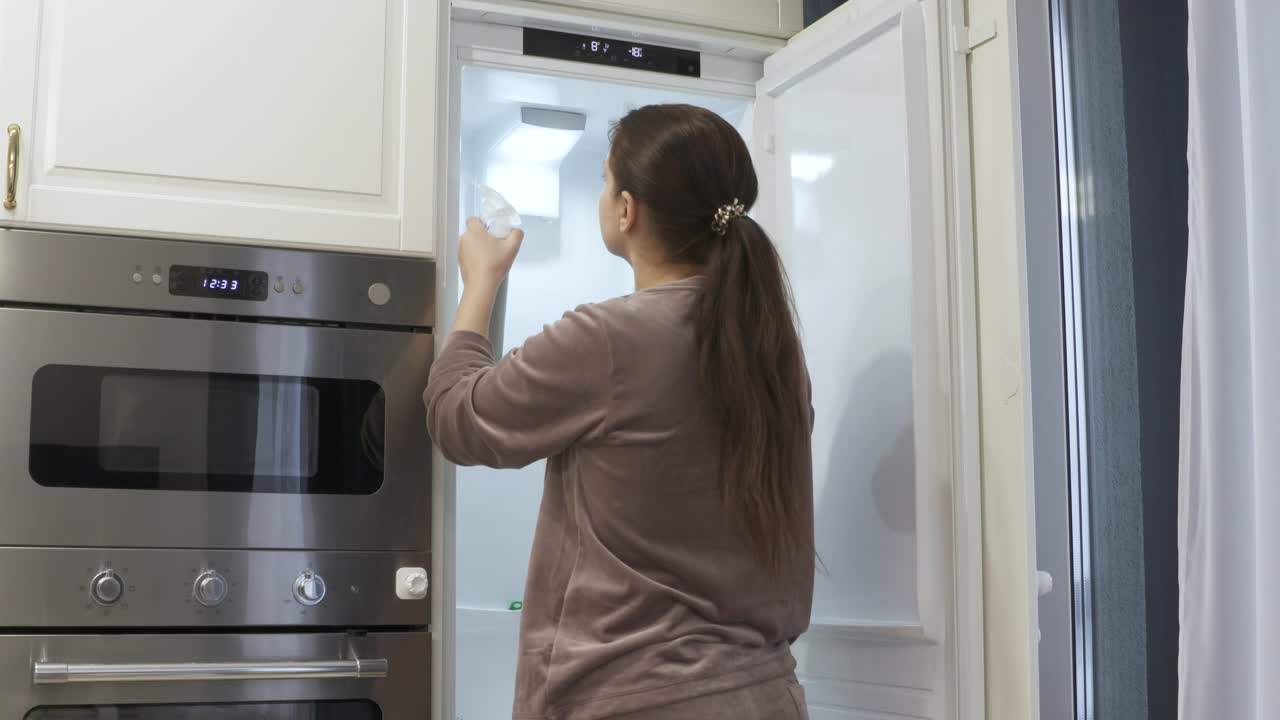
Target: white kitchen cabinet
point(17, 48)
point(773, 18)
point(305, 122)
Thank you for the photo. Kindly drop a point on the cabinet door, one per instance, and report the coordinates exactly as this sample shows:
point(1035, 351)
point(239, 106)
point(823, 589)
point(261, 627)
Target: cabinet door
point(17, 68)
point(848, 131)
point(295, 121)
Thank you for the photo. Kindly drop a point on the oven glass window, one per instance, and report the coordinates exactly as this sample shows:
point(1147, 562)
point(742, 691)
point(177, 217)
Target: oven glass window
point(96, 427)
point(320, 710)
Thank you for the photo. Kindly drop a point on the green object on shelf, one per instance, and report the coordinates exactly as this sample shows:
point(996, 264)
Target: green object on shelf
point(516, 605)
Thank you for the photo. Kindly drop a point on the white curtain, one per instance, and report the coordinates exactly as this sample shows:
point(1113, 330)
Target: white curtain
point(1229, 483)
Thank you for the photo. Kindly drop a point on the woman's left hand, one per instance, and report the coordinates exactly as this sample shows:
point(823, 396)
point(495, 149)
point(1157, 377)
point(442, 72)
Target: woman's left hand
point(484, 259)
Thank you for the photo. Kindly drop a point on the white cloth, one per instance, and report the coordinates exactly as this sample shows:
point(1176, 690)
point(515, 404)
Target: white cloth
point(1229, 479)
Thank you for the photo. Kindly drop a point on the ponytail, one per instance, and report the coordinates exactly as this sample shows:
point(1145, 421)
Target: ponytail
point(750, 360)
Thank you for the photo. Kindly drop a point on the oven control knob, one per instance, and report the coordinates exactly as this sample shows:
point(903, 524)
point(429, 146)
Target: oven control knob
point(106, 588)
point(309, 588)
point(210, 588)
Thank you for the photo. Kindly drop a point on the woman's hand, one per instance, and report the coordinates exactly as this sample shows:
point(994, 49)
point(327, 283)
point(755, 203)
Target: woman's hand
point(484, 259)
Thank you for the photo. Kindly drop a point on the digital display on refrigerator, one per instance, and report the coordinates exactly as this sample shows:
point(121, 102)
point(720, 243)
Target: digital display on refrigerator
point(608, 51)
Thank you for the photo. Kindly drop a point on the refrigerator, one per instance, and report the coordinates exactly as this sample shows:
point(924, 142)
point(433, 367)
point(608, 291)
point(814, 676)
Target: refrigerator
point(850, 130)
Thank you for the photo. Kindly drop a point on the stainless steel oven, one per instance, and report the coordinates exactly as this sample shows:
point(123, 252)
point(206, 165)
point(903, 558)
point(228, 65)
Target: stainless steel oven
point(139, 409)
point(215, 480)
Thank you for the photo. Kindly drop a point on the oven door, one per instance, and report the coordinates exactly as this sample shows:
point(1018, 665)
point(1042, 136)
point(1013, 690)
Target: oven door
point(330, 676)
point(157, 431)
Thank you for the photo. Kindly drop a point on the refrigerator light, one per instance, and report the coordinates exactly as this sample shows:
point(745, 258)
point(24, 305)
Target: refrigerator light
point(533, 144)
point(531, 188)
point(524, 165)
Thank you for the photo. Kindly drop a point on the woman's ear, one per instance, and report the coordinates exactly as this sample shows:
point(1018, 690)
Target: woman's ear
point(630, 212)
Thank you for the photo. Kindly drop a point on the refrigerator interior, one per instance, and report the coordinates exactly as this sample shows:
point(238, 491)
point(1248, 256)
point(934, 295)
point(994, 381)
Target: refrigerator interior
point(563, 263)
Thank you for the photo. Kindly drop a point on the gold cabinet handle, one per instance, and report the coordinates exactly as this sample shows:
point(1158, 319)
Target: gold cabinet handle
point(11, 169)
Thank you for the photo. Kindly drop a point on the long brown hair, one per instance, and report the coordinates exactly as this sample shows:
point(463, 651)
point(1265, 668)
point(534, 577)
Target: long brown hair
point(683, 163)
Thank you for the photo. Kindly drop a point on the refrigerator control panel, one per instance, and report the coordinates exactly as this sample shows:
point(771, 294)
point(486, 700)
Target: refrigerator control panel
point(610, 51)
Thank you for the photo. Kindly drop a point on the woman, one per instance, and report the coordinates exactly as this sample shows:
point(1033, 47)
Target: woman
point(673, 559)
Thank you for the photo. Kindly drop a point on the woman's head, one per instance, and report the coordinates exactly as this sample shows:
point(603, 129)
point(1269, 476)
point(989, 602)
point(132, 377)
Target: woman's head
point(671, 170)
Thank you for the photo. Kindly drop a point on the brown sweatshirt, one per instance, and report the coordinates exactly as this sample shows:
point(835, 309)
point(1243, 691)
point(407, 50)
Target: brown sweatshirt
point(639, 593)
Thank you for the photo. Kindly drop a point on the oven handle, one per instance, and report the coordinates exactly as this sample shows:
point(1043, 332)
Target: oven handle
point(49, 673)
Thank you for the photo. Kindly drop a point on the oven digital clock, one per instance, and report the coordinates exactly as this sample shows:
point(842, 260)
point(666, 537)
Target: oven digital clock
point(608, 51)
point(213, 282)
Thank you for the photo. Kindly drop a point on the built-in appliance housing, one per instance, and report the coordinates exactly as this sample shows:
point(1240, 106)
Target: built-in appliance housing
point(198, 438)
